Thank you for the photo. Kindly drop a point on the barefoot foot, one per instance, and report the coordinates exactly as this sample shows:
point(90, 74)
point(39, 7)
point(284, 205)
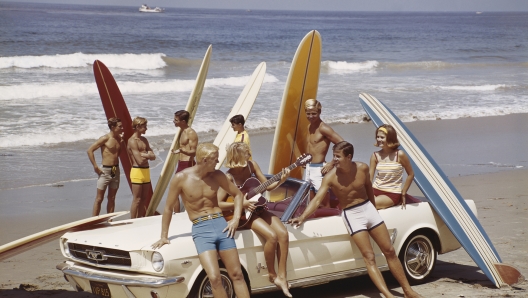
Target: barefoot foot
point(283, 285)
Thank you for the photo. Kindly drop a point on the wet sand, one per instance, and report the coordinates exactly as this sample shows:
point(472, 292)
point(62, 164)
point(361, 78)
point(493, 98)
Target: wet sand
point(501, 199)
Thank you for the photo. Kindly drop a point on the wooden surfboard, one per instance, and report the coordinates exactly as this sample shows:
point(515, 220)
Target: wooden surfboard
point(114, 106)
point(21, 245)
point(441, 194)
point(242, 106)
point(289, 141)
point(172, 159)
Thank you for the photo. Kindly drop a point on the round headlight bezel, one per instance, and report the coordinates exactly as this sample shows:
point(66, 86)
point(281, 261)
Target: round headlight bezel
point(157, 261)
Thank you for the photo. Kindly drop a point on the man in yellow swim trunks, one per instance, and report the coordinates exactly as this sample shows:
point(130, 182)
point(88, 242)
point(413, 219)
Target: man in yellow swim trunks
point(140, 151)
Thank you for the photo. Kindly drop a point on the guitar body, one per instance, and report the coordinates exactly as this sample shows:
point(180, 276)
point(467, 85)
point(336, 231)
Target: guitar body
point(258, 200)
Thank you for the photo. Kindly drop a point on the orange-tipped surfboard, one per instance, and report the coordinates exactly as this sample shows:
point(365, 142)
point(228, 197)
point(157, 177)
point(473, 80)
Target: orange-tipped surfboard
point(114, 106)
point(292, 126)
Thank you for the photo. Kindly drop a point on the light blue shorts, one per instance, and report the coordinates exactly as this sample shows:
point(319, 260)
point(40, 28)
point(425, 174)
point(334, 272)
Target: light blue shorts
point(208, 235)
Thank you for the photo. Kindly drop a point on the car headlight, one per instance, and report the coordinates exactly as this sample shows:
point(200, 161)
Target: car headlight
point(157, 261)
point(66, 248)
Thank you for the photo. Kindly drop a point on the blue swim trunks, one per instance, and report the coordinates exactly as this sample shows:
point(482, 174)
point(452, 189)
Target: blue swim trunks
point(208, 235)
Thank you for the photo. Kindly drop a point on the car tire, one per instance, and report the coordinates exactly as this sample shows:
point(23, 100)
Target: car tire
point(202, 286)
point(418, 257)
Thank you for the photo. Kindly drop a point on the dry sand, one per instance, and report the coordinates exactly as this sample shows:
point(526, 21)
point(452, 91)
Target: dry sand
point(501, 200)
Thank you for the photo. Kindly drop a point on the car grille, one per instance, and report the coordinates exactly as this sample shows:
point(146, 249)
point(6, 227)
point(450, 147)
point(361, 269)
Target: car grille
point(100, 255)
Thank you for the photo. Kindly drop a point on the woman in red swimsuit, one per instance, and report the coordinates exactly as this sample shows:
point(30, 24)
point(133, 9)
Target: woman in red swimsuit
point(389, 163)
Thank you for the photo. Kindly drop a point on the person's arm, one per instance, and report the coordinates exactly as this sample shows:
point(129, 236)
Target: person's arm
point(193, 143)
point(314, 204)
point(404, 160)
point(231, 189)
point(373, 164)
point(98, 144)
point(150, 154)
point(260, 176)
point(329, 133)
point(173, 203)
point(368, 183)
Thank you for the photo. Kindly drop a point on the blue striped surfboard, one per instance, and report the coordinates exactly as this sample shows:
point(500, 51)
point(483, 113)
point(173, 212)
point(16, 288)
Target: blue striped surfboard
point(442, 195)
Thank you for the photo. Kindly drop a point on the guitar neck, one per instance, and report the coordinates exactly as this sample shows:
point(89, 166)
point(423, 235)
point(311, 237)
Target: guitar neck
point(261, 188)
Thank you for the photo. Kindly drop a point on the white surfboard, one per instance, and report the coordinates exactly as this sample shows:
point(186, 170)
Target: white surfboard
point(172, 159)
point(443, 197)
point(21, 245)
point(242, 106)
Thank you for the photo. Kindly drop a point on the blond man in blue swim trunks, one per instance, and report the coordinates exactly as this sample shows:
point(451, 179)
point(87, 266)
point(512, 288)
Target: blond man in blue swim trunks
point(108, 172)
point(140, 153)
point(212, 235)
point(350, 182)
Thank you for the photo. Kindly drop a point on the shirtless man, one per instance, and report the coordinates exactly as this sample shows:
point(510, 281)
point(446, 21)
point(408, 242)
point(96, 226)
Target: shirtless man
point(320, 135)
point(198, 187)
point(140, 151)
point(350, 182)
point(110, 145)
point(188, 141)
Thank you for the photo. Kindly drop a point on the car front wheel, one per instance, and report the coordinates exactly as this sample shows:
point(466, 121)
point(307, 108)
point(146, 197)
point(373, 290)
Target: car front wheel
point(203, 287)
point(418, 257)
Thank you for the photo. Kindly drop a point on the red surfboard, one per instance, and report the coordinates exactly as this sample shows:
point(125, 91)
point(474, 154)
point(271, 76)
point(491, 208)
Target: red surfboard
point(114, 106)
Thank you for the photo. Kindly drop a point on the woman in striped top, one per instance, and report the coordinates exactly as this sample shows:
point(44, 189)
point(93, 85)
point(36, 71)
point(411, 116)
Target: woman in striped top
point(389, 162)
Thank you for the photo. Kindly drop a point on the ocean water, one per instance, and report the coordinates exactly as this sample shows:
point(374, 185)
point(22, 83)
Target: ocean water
point(424, 66)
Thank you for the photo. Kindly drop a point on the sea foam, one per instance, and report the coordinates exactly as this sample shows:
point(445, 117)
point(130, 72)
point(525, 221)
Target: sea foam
point(123, 61)
point(343, 67)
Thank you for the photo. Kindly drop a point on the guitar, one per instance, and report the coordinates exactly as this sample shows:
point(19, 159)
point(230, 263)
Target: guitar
point(253, 188)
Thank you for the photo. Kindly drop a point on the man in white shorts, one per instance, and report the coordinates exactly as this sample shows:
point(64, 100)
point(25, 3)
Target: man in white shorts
point(350, 182)
point(320, 136)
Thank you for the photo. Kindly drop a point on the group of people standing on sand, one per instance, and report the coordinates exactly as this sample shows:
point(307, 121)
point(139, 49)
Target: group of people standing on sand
point(203, 192)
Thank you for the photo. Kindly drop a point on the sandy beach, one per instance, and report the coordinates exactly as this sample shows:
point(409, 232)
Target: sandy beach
point(500, 193)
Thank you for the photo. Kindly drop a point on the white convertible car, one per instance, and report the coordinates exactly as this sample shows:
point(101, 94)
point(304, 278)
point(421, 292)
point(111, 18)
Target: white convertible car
point(116, 260)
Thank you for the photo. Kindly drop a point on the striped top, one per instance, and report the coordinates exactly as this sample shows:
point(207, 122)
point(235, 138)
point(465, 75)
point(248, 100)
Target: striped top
point(389, 176)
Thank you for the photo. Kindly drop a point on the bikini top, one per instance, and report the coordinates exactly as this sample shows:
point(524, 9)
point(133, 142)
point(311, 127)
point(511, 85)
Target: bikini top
point(389, 176)
point(251, 174)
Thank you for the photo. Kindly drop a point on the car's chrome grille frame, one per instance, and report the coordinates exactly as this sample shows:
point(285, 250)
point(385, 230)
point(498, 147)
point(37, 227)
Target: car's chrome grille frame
point(100, 255)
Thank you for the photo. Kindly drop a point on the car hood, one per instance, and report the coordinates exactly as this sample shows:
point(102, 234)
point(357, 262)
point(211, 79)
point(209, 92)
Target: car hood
point(132, 234)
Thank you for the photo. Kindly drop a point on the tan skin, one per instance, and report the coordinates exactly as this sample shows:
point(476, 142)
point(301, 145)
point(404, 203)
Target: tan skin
point(110, 145)
point(265, 224)
point(188, 140)
point(388, 154)
point(351, 184)
point(198, 187)
point(139, 149)
point(320, 136)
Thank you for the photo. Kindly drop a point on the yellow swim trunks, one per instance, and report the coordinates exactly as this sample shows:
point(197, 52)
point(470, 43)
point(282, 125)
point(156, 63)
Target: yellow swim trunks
point(140, 175)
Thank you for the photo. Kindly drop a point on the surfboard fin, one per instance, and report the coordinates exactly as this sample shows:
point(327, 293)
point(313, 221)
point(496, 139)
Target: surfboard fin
point(509, 274)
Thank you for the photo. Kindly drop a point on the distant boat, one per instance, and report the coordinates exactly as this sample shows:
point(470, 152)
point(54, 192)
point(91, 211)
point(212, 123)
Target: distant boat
point(145, 8)
point(479, 12)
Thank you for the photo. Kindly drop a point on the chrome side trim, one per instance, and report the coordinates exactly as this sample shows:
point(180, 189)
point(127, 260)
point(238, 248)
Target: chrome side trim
point(393, 236)
point(320, 279)
point(139, 282)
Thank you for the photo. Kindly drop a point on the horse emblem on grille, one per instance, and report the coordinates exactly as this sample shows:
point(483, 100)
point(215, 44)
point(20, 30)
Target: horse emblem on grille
point(96, 255)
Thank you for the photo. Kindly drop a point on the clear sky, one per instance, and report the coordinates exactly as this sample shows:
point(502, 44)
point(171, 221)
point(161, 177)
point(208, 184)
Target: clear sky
point(335, 5)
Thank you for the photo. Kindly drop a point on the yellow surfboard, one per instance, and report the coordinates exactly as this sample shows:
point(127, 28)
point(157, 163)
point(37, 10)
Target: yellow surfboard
point(172, 159)
point(291, 132)
point(242, 106)
point(16, 247)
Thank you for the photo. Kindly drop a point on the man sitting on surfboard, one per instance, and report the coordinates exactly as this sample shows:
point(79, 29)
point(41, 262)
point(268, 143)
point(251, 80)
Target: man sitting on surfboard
point(237, 123)
point(351, 184)
point(188, 141)
point(320, 135)
point(108, 173)
point(212, 235)
point(140, 151)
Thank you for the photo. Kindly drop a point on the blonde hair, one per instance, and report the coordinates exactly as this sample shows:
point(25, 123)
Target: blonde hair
point(235, 155)
point(205, 150)
point(313, 104)
point(138, 121)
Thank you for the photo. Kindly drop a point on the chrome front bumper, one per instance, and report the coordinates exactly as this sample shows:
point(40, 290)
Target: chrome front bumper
point(68, 269)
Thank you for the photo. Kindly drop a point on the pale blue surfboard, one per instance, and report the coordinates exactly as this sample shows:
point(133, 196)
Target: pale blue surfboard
point(442, 195)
